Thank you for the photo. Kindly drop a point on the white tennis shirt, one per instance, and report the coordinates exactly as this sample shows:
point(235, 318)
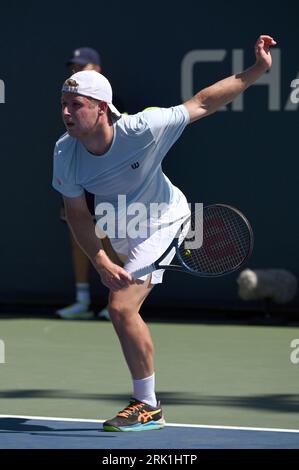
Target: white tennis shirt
point(132, 165)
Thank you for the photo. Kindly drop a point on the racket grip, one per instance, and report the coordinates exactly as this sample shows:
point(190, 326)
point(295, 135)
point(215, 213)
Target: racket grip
point(143, 271)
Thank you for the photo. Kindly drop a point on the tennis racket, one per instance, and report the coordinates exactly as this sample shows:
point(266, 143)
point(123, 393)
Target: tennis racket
point(227, 242)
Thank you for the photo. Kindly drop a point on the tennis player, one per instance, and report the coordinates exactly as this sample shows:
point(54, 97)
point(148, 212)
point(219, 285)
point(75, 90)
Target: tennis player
point(118, 158)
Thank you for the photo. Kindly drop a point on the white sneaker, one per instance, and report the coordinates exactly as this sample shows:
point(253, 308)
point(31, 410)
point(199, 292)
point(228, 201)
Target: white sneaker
point(104, 313)
point(76, 311)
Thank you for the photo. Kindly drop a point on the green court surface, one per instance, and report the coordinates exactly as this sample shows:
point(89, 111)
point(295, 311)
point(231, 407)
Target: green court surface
point(226, 375)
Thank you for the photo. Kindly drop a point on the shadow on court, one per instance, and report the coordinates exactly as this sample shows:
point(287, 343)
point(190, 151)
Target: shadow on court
point(280, 403)
point(18, 425)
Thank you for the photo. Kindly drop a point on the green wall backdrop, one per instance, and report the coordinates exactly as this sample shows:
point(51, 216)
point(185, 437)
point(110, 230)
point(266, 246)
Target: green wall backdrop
point(246, 156)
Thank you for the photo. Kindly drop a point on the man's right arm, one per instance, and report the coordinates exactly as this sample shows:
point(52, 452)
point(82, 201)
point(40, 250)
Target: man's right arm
point(82, 226)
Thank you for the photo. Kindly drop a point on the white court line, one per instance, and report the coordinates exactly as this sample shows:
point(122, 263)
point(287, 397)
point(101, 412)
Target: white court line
point(178, 425)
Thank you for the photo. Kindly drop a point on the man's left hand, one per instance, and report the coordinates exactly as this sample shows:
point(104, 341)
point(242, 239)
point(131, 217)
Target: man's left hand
point(262, 51)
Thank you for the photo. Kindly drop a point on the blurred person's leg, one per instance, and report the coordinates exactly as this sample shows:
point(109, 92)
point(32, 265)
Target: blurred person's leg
point(81, 265)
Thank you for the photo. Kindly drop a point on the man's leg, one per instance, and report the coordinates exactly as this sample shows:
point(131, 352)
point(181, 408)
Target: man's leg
point(138, 349)
point(133, 333)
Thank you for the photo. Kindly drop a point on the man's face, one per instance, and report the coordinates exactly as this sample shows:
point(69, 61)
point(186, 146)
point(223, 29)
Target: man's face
point(80, 114)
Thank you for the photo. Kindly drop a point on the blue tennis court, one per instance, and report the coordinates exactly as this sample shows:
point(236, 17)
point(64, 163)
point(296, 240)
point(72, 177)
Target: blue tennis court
point(20, 432)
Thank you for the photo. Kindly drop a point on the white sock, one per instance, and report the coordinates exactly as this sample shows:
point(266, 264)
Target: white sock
point(144, 390)
point(82, 293)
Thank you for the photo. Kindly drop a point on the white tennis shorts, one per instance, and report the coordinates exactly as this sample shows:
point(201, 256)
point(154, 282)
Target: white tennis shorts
point(140, 252)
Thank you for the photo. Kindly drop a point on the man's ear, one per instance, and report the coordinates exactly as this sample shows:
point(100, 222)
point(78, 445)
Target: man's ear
point(102, 107)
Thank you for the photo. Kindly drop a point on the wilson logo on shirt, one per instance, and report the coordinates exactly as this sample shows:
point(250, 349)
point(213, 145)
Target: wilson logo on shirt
point(135, 165)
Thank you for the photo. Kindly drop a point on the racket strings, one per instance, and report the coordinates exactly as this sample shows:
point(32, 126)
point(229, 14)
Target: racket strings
point(226, 241)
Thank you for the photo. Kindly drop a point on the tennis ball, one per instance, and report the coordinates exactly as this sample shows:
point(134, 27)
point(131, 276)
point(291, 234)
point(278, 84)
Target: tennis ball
point(150, 108)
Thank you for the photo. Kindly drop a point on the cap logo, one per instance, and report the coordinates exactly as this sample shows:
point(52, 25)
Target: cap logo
point(77, 52)
point(70, 86)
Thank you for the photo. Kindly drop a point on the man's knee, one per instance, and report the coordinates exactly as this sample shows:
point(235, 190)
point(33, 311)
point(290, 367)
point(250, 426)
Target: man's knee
point(119, 310)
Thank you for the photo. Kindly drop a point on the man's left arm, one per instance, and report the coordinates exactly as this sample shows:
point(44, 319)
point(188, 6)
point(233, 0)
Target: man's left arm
point(210, 99)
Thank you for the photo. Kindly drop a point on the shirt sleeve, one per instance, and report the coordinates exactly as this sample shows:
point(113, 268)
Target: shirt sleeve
point(63, 175)
point(166, 126)
point(168, 123)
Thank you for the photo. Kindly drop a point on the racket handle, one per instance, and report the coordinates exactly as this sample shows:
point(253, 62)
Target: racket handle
point(143, 271)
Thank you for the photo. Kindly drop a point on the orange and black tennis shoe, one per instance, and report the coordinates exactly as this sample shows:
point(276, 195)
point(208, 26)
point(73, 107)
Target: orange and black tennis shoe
point(137, 416)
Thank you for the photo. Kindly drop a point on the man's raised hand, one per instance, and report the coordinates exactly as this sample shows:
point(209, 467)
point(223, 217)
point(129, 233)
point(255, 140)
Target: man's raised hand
point(262, 51)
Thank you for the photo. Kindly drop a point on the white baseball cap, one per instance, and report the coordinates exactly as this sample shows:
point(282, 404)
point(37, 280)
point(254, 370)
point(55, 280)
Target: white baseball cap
point(92, 84)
